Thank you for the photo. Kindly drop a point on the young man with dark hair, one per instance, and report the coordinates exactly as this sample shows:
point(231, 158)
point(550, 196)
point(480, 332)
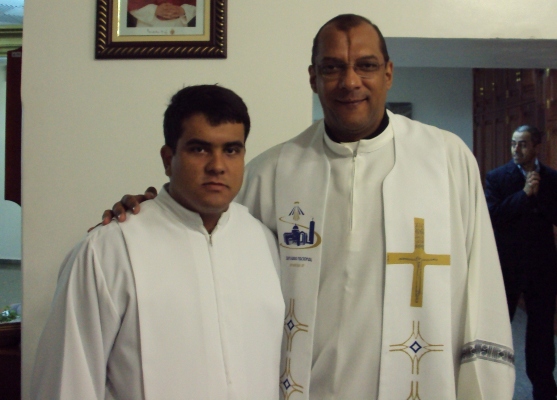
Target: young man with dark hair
point(183, 301)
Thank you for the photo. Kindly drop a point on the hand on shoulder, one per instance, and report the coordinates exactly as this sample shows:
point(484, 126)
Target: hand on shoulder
point(128, 202)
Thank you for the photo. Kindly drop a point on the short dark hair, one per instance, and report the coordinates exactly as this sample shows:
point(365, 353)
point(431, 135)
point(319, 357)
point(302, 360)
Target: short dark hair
point(218, 104)
point(345, 22)
point(535, 133)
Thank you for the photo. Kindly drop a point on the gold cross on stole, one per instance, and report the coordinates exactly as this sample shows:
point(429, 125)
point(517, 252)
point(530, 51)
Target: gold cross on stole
point(419, 259)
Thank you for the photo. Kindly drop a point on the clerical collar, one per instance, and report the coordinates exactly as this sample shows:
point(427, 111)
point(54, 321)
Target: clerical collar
point(350, 149)
point(536, 167)
point(382, 126)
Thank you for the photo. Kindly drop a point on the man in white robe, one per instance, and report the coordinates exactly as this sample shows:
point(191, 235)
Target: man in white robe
point(389, 267)
point(357, 312)
point(183, 301)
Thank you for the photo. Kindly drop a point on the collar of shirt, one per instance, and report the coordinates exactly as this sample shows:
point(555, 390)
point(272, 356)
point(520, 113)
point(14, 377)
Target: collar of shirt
point(382, 126)
point(537, 167)
point(188, 217)
point(351, 149)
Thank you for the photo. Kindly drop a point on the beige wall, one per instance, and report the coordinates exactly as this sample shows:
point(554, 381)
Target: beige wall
point(92, 129)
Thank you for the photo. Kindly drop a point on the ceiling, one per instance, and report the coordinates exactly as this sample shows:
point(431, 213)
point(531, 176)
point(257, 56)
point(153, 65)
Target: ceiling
point(473, 53)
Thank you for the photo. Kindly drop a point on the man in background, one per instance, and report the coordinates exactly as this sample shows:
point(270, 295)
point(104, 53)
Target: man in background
point(184, 301)
point(389, 266)
point(522, 200)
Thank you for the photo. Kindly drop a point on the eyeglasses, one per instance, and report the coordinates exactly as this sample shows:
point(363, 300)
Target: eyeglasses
point(364, 69)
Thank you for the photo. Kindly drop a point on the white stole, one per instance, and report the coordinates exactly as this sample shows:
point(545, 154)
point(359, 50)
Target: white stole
point(301, 188)
point(416, 188)
point(416, 357)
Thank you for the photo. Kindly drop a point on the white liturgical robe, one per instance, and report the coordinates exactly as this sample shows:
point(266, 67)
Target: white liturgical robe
point(156, 308)
point(389, 267)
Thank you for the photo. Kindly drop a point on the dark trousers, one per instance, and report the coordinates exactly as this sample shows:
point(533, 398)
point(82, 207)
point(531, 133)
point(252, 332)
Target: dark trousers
point(540, 349)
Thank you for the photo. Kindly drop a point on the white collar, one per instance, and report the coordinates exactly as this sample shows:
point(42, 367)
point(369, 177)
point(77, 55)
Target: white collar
point(361, 146)
point(187, 217)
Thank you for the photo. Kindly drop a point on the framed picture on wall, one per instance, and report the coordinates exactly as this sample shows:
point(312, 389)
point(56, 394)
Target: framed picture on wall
point(160, 29)
point(400, 108)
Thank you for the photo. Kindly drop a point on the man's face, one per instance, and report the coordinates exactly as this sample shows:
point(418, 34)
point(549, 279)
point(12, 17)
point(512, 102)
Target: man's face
point(353, 106)
point(523, 150)
point(207, 169)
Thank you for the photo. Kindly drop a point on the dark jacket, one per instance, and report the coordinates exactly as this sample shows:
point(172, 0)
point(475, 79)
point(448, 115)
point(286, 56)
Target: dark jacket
point(523, 227)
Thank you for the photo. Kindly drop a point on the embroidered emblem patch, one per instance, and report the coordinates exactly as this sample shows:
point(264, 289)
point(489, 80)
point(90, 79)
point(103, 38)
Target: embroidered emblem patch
point(301, 232)
point(486, 351)
point(415, 347)
point(287, 384)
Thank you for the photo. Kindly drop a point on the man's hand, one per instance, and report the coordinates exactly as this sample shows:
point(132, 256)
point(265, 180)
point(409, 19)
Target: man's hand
point(167, 11)
point(128, 202)
point(532, 183)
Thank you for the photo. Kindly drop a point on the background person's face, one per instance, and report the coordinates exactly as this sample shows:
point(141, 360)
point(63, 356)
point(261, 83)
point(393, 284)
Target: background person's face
point(353, 107)
point(207, 169)
point(523, 150)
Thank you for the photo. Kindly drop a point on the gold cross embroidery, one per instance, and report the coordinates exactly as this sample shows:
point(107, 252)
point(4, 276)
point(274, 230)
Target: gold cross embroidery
point(419, 259)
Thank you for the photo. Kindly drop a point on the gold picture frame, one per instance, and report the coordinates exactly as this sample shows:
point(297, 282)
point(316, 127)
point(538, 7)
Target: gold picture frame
point(200, 33)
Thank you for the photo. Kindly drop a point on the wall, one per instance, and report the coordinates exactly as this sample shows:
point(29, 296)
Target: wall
point(439, 96)
point(10, 213)
point(92, 128)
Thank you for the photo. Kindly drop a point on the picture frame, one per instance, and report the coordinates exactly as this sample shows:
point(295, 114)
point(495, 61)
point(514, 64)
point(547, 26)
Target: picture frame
point(400, 108)
point(125, 31)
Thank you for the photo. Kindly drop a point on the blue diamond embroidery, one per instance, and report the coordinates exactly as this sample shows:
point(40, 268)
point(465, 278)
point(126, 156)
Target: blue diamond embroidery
point(290, 325)
point(286, 384)
point(415, 347)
